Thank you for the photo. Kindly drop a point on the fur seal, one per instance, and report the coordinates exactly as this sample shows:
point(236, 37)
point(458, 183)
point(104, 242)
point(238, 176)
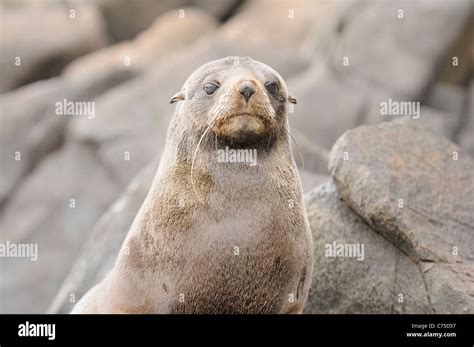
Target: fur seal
point(216, 235)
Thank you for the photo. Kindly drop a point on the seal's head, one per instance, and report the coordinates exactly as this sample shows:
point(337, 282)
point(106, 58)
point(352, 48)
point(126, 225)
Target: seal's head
point(241, 101)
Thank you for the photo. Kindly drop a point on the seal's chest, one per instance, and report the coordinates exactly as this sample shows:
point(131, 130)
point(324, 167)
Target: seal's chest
point(247, 271)
point(245, 282)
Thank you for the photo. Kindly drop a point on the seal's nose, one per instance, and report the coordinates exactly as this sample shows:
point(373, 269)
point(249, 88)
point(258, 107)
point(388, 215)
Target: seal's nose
point(247, 89)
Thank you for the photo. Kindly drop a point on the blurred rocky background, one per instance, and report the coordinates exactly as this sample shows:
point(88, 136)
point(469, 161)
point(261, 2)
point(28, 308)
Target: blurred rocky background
point(402, 186)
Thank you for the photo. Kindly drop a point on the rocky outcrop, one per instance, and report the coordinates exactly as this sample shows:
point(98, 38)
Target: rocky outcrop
point(466, 130)
point(366, 54)
point(381, 280)
point(38, 42)
point(70, 185)
point(413, 192)
point(167, 34)
point(100, 250)
point(121, 25)
point(371, 32)
point(35, 129)
point(415, 188)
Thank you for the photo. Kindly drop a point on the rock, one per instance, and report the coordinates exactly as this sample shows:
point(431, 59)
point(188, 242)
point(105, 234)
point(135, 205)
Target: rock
point(308, 155)
point(130, 127)
point(405, 183)
point(372, 74)
point(441, 123)
point(37, 42)
point(98, 255)
point(168, 34)
point(373, 284)
point(444, 121)
point(458, 67)
point(222, 9)
point(310, 180)
point(448, 98)
point(325, 106)
point(375, 30)
point(34, 129)
point(262, 23)
point(42, 212)
point(121, 25)
point(15, 152)
point(465, 137)
point(450, 287)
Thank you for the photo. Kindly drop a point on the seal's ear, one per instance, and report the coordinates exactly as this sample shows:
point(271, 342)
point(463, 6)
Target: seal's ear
point(291, 99)
point(178, 96)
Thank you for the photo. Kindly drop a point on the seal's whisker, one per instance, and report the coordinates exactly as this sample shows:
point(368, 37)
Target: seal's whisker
point(272, 135)
point(297, 147)
point(195, 154)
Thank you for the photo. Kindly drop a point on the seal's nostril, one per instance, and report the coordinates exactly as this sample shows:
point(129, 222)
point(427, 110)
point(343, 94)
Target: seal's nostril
point(247, 89)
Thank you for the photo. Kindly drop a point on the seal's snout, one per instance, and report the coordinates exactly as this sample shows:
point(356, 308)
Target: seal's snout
point(247, 89)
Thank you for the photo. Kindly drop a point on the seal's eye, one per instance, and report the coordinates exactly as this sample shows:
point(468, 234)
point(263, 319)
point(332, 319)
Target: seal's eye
point(272, 87)
point(210, 87)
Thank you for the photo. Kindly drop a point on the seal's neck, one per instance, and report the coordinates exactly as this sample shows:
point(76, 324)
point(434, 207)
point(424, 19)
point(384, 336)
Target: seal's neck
point(196, 151)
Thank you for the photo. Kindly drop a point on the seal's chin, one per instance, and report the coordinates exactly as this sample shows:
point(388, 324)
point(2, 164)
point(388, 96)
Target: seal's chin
point(245, 124)
point(242, 128)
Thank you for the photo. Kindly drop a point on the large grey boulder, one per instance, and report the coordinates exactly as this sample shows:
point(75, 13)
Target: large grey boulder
point(125, 19)
point(373, 31)
point(167, 34)
point(122, 25)
point(16, 157)
point(37, 42)
point(320, 115)
point(31, 128)
point(221, 9)
point(466, 133)
point(448, 98)
point(381, 280)
point(355, 68)
point(311, 180)
point(53, 208)
point(100, 250)
point(416, 189)
point(29, 123)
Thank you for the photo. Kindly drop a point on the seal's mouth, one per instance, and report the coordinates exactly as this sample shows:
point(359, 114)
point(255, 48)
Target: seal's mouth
point(246, 114)
point(243, 122)
point(242, 125)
